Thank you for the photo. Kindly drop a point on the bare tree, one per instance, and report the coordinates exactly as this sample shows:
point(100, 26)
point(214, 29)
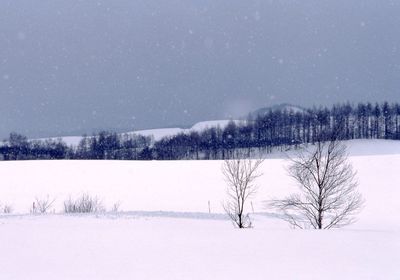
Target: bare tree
point(240, 175)
point(328, 195)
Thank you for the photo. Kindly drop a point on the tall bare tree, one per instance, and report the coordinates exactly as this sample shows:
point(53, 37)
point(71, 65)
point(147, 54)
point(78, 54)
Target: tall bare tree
point(240, 175)
point(328, 196)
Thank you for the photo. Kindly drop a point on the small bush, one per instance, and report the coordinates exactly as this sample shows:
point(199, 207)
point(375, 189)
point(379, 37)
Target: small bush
point(42, 205)
point(116, 207)
point(6, 209)
point(84, 204)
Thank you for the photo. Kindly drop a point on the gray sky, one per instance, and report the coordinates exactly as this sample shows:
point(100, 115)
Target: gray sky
point(69, 67)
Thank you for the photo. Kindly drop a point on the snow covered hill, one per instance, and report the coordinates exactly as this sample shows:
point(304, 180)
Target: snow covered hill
point(279, 107)
point(166, 232)
point(200, 126)
point(158, 133)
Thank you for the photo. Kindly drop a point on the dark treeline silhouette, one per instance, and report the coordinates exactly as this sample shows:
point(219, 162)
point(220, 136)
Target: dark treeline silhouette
point(283, 128)
point(104, 145)
point(110, 145)
point(18, 147)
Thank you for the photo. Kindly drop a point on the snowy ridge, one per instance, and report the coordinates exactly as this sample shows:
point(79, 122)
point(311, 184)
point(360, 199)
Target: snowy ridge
point(200, 126)
point(157, 133)
point(280, 107)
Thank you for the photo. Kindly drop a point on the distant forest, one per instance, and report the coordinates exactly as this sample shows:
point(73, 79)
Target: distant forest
point(282, 128)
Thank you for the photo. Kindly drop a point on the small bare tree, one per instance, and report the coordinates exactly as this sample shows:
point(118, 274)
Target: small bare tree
point(328, 195)
point(240, 175)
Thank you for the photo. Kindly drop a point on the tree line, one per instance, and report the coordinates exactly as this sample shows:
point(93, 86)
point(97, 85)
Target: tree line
point(104, 145)
point(276, 128)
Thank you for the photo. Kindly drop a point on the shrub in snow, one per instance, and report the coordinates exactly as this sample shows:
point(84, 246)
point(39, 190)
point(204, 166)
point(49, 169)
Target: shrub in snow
point(84, 204)
point(116, 206)
point(6, 209)
point(42, 205)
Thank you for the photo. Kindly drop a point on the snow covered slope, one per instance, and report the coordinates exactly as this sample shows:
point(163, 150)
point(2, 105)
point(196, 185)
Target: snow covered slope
point(158, 133)
point(200, 126)
point(186, 244)
point(279, 107)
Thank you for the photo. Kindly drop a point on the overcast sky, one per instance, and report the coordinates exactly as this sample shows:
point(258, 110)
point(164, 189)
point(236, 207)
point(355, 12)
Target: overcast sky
point(69, 67)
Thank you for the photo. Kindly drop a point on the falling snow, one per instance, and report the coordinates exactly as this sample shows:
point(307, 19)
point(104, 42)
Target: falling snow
point(161, 61)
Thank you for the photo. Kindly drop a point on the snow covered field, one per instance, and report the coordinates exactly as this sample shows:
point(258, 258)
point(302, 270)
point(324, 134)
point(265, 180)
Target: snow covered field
point(58, 247)
point(184, 241)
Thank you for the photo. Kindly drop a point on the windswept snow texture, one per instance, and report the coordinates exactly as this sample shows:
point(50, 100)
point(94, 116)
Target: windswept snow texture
point(166, 232)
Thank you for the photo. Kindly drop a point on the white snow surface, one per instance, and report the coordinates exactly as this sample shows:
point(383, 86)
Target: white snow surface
point(166, 232)
point(63, 247)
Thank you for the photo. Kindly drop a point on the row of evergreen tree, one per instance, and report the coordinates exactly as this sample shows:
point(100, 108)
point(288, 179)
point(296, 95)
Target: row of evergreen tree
point(282, 128)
